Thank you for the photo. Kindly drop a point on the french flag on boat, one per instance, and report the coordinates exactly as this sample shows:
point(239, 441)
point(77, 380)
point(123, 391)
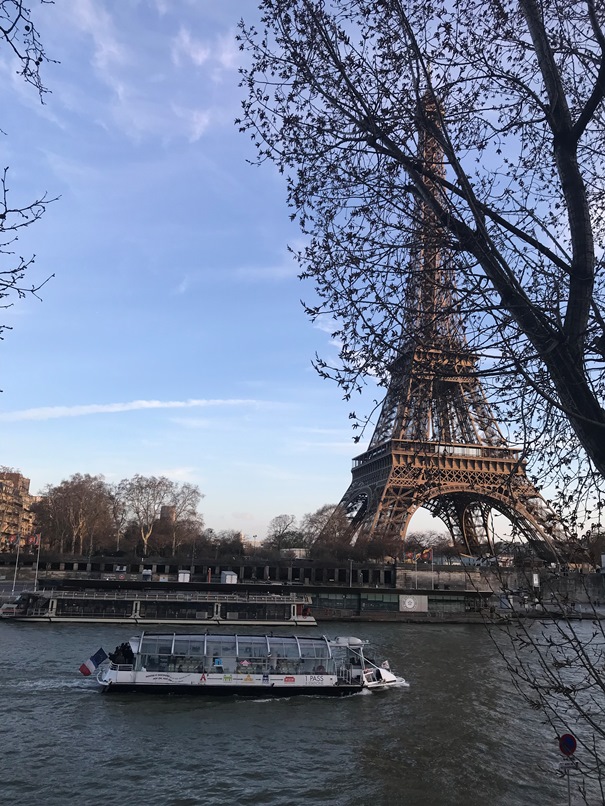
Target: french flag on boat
point(88, 667)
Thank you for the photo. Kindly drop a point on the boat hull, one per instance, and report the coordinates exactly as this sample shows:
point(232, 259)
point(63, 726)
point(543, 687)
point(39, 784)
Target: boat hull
point(254, 692)
point(226, 685)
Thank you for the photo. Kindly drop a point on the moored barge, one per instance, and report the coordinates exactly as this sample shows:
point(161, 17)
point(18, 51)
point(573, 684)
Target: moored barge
point(160, 607)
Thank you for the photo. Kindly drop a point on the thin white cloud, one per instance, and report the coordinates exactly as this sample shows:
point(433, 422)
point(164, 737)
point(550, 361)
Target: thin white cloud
point(59, 412)
point(179, 473)
point(228, 53)
point(162, 7)
point(183, 286)
point(197, 121)
point(94, 20)
point(326, 324)
point(200, 120)
point(186, 47)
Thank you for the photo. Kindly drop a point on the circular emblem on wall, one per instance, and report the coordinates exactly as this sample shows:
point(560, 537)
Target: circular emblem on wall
point(410, 603)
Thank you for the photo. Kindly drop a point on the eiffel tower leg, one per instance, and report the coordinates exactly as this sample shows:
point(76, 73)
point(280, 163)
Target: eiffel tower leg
point(461, 524)
point(480, 514)
point(464, 518)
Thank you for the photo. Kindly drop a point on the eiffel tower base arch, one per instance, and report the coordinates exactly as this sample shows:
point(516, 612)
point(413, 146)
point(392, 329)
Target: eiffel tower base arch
point(461, 490)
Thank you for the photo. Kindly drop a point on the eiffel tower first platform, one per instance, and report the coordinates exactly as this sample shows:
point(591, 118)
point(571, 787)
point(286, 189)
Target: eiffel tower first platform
point(437, 444)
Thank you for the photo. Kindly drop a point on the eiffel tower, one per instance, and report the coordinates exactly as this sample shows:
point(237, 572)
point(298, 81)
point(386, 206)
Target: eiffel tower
point(437, 444)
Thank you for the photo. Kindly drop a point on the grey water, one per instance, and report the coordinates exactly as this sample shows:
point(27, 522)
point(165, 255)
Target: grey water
point(460, 734)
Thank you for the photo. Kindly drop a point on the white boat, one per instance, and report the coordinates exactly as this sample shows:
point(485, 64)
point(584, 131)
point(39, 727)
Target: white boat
point(252, 665)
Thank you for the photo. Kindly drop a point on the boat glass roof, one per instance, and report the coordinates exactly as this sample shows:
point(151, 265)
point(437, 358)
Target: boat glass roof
point(254, 646)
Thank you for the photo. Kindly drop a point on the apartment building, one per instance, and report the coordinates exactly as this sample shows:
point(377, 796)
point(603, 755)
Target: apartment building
point(16, 517)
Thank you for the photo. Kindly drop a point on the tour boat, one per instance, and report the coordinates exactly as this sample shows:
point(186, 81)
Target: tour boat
point(252, 665)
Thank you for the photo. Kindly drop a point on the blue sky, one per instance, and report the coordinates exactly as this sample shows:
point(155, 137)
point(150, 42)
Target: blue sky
point(171, 340)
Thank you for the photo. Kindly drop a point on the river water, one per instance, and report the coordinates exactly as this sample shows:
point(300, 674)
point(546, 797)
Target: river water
point(458, 735)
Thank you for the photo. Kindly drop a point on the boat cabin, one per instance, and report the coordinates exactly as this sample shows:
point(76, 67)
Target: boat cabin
point(245, 654)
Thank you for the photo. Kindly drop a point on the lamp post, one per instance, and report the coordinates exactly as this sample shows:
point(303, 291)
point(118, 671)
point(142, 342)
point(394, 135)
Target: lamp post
point(37, 563)
point(16, 563)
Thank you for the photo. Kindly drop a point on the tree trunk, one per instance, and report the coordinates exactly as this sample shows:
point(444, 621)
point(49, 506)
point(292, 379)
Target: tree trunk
point(579, 403)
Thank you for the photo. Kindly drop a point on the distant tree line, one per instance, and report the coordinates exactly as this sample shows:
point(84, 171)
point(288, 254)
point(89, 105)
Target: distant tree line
point(144, 514)
point(328, 538)
point(153, 515)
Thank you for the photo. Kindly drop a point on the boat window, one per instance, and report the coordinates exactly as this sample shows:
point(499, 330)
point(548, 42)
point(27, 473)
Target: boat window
point(181, 646)
point(313, 649)
point(284, 647)
point(219, 646)
point(251, 646)
point(292, 654)
point(341, 654)
point(156, 645)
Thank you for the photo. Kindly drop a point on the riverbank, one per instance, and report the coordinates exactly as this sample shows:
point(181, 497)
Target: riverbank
point(131, 601)
point(143, 602)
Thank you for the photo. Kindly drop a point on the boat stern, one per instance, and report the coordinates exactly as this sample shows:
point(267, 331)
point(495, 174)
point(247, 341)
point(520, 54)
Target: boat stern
point(115, 674)
point(380, 677)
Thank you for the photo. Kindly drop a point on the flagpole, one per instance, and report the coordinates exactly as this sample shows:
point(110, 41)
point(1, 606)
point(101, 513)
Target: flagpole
point(16, 564)
point(37, 563)
point(432, 569)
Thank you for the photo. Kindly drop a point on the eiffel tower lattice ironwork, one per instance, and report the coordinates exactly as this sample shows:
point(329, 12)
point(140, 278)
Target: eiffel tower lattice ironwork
point(437, 444)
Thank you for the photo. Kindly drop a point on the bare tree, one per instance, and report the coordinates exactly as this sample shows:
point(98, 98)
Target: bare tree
point(76, 514)
point(327, 532)
point(51, 519)
point(282, 533)
point(144, 497)
point(189, 536)
point(341, 96)
point(313, 523)
point(21, 37)
point(554, 649)
point(227, 543)
point(184, 500)
point(119, 511)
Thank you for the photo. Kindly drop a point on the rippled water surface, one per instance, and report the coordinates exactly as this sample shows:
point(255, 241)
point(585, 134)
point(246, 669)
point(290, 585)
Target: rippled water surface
point(458, 735)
